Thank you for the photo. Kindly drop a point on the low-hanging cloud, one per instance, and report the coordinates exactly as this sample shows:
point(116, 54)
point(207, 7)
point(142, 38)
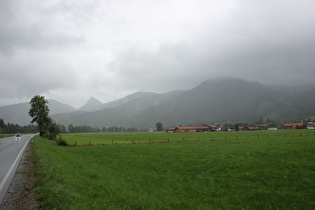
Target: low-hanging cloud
point(25, 78)
point(183, 65)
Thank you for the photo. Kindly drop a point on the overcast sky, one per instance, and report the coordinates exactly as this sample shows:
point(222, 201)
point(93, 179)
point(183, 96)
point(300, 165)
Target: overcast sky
point(72, 50)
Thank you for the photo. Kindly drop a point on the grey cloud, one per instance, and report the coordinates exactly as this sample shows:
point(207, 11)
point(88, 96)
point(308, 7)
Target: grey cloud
point(163, 70)
point(35, 75)
point(34, 38)
point(274, 57)
point(39, 34)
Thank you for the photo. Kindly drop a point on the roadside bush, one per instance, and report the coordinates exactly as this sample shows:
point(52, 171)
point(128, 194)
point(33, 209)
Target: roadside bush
point(51, 136)
point(61, 142)
point(53, 131)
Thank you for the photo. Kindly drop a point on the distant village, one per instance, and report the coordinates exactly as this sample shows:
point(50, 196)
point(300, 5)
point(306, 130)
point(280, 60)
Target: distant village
point(253, 127)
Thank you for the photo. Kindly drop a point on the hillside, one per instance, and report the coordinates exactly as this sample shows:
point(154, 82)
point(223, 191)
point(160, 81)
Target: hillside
point(213, 101)
point(120, 112)
point(92, 105)
point(18, 113)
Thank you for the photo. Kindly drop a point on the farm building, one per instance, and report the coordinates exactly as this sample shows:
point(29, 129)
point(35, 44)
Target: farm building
point(292, 125)
point(215, 127)
point(251, 128)
point(262, 126)
point(193, 129)
point(311, 125)
point(272, 127)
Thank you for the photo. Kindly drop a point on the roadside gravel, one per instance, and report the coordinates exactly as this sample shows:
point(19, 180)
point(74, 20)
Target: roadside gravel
point(20, 195)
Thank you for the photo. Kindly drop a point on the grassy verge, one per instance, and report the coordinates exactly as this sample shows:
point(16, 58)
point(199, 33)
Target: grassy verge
point(270, 173)
point(5, 135)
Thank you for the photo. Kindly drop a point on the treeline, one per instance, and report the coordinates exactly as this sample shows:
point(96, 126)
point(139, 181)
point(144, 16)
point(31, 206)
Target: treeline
point(89, 129)
point(82, 129)
point(10, 128)
point(119, 129)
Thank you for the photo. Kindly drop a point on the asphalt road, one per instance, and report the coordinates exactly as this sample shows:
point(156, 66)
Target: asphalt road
point(11, 151)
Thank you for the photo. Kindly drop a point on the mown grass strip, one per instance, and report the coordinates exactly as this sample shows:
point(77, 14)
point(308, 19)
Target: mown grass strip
point(274, 173)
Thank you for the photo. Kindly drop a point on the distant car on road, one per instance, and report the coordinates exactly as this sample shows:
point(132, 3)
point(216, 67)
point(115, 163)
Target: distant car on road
point(18, 136)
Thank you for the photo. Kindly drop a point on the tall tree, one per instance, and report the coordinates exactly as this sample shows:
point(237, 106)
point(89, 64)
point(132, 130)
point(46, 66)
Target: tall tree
point(40, 113)
point(159, 126)
point(70, 128)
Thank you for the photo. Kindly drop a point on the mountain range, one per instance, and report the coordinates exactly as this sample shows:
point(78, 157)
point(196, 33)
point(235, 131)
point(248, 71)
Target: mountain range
point(18, 113)
point(213, 101)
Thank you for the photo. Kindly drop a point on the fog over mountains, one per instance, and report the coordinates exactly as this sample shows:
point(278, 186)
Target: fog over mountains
point(213, 101)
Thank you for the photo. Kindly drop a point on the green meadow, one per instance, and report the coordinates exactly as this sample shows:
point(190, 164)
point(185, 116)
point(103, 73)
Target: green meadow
point(163, 137)
point(232, 170)
point(5, 135)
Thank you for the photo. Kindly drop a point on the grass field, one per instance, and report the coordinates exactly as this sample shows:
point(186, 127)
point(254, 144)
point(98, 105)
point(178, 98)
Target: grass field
point(162, 137)
point(5, 135)
point(274, 172)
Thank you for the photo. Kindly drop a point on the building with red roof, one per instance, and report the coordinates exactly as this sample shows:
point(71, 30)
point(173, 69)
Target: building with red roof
point(193, 129)
point(292, 125)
